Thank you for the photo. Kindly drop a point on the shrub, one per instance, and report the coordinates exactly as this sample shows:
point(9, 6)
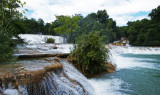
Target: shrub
point(50, 40)
point(90, 55)
point(6, 50)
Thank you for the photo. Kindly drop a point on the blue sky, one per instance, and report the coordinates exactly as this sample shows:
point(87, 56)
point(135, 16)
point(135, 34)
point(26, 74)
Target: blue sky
point(121, 11)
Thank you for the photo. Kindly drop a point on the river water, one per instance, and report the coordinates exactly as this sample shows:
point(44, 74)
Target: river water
point(138, 72)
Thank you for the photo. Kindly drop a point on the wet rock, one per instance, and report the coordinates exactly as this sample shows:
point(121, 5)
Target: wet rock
point(55, 47)
point(11, 92)
point(111, 67)
point(57, 59)
point(53, 67)
point(29, 77)
point(61, 55)
point(49, 59)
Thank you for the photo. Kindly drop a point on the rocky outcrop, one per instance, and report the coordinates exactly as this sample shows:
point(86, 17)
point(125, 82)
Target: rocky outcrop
point(53, 79)
point(29, 77)
point(110, 67)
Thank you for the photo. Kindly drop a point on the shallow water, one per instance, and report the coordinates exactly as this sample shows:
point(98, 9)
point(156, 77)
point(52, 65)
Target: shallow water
point(137, 74)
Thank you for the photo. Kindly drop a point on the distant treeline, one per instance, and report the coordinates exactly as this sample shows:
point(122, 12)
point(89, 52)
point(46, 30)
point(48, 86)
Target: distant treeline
point(99, 21)
point(145, 32)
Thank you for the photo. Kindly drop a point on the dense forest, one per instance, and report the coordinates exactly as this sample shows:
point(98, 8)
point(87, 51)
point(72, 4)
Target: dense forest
point(145, 32)
point(71, 26)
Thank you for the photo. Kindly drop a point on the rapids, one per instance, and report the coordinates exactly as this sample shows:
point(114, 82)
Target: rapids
point(137, 72)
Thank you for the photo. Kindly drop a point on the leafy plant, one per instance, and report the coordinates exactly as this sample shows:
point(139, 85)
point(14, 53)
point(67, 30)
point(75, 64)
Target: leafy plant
point(5, 41)
point(68, 25)
point(50, 40)
point(90, 54)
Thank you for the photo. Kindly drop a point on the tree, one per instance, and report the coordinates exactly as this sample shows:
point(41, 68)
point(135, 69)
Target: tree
point(40, 26)
point(90, 54)
point(8, 27)
point(68, 25)
point(99, 21)
point(155, 14)
point(9, 11)
point(144, 32)
point(102, 16)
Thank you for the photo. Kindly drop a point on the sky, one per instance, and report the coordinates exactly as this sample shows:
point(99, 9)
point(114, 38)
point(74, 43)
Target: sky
point(121, 11)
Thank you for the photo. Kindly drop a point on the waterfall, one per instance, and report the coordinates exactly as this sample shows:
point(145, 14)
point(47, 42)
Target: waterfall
point(43, 78)
point(36, 42)
point(117, 58)
point(65, 81)
point(38, 39)
point(134, 50)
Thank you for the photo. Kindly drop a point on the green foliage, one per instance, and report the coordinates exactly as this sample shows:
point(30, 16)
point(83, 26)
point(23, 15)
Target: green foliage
point(9, 26)
point(50, 40)
point(5, 44)
point(90, 54)
point(99, 21)
point(122, 31)
point(9, 11)
point(72, 27)
point(155, 14)
point(67, 25)
point(102, 16)
point(143, 32)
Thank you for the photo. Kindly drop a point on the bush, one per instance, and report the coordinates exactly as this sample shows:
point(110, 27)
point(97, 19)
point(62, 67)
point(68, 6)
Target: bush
point(6, 50)
point(90, 55)
point(50, 40)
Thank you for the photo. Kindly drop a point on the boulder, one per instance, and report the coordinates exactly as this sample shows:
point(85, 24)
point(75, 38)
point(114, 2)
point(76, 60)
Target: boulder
point(55, 47)
point(111, 67)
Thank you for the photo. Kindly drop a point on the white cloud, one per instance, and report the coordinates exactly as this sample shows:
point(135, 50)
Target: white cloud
point(119, 10)
point(122, 20)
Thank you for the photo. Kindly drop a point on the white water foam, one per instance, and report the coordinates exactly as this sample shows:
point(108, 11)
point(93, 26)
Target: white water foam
point(107, 86)
point(37, 38)
point(113, 86)
point(74, 74)
point(37, 42)
point(134, 50)
point(130, 62)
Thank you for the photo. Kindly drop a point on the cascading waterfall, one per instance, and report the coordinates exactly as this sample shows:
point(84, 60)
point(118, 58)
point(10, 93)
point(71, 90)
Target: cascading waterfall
point(39, 39)
point(46, 78)
point(65, 81)
point(36, 42)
